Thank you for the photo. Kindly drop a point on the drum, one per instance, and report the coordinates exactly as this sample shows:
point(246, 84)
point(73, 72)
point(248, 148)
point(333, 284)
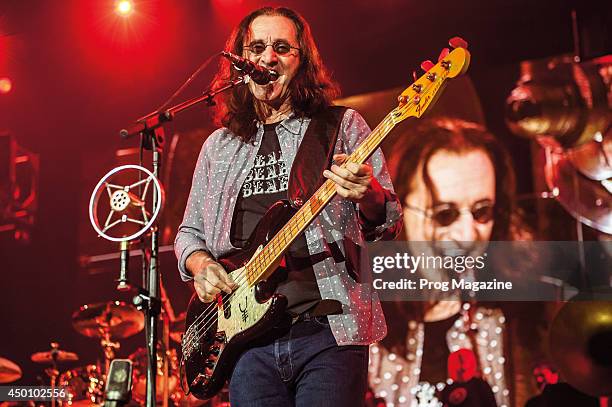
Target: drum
point(84, 386)
point(139, 378)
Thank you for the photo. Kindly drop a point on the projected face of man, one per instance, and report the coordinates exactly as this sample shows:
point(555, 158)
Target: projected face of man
point(463, 187)
point(279, 37)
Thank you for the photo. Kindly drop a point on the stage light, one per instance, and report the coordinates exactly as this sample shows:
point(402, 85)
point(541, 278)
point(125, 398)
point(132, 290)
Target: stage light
point(5, 85)
point(124, 7)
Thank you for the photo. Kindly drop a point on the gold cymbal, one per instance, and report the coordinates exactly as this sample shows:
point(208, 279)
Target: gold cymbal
point(581, 345)
point(9, 371)
point(113, 319)
point(586, 199)
point(57, 355)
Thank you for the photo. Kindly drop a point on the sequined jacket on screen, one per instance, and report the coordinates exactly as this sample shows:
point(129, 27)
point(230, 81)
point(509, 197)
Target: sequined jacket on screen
point(223, 165)
point(396, 378)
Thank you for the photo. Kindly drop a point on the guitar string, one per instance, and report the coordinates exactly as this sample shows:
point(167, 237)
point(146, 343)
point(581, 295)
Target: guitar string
point(208, 314)
point(325, 189)
point(291, 226)
point(273, 244)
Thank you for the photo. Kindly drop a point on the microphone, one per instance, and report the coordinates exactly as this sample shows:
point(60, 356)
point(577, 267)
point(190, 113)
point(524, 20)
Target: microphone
point(118, 390)
point(259, 74)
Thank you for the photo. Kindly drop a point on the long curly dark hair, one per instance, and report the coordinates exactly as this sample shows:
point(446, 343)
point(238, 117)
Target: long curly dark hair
point(411, 153)
point(311, 90)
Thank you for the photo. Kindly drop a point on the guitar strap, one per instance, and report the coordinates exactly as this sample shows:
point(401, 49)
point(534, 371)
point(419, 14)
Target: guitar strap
point(314, 155)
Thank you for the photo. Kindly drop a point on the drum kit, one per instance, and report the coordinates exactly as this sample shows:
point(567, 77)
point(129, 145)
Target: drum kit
point(110, 322)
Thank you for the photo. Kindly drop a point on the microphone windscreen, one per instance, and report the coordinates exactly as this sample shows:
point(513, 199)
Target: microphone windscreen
point(118, 389)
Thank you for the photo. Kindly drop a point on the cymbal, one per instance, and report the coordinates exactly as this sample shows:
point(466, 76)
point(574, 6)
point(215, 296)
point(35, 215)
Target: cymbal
point(114, 319)
point(586, 199)
point(177, 328)
point(57, 355)
point(580, 345)
point(9, 371)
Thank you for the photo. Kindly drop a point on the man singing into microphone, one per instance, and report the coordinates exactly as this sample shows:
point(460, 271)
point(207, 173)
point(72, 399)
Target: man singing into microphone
point(244, 167)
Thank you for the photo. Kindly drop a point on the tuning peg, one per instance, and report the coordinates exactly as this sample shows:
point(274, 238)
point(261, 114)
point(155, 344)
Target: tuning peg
point(427, 65)
point(458, 42)
point(443, 54)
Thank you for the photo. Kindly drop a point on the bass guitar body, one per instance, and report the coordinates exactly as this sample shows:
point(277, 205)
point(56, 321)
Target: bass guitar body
point(217, 333)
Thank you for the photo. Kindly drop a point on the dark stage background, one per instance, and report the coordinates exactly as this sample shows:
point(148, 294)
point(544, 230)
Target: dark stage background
point(80, 74)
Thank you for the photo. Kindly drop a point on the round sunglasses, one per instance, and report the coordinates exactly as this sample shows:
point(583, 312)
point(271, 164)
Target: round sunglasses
point(280, 47)
point(447, 213)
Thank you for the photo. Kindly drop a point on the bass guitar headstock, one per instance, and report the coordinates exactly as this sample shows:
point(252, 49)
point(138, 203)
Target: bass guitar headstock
point(416, 99)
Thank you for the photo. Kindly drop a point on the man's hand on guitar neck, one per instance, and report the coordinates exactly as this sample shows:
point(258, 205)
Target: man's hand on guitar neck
point(209, 277)
point(356, 183)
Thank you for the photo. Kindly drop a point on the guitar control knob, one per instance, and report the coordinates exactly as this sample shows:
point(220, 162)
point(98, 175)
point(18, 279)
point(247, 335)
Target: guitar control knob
point(417, 87)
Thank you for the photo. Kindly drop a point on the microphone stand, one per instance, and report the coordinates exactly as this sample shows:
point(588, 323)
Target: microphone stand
point(155, 120)
point(150, 128)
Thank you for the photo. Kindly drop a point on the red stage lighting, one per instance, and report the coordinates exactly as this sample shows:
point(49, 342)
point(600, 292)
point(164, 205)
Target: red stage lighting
point(114, 46)
point(5, 85)
point(124, 7)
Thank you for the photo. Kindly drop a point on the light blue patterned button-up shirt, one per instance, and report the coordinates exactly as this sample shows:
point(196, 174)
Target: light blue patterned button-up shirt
point(224, 163)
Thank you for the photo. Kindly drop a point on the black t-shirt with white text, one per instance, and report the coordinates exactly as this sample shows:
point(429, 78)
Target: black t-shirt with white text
point(267, 183)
